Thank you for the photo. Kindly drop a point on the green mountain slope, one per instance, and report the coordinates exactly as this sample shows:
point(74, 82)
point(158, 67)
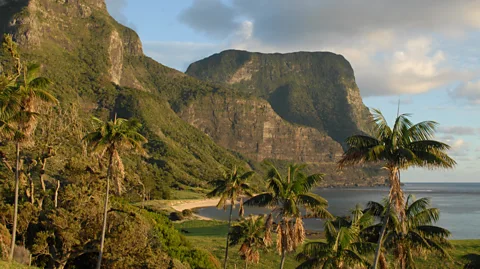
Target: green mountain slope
point(98, 67)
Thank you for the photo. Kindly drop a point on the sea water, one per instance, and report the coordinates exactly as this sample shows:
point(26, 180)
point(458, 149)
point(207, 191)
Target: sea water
point(459, 205)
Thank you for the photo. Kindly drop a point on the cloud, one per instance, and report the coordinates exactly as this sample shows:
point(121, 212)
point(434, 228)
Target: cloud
point(469, 91)
point(393, 46)
point(211, 17)
point(283, 22)
point(459, 148)
point(116, 8)
point(458, 130)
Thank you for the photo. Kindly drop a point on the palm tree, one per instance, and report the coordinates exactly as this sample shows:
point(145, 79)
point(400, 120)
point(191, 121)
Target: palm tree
point(250, 232)
point(18, 100)
point(231, 187)
point(420, 235)
point(344, 246)
point(109, 138)
point(398, 148)
point(285, 195)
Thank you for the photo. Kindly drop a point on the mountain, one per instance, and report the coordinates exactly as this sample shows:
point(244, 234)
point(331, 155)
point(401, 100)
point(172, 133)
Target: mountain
point(295, 107)
point(99, 68)
point(315, 89)
point(233, 108)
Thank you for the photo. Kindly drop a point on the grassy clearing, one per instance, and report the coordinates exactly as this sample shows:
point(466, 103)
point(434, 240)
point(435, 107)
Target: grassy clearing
point(192, 194)
point(210, 235)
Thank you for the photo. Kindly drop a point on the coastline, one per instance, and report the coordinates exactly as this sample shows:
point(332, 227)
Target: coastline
point(191, 204)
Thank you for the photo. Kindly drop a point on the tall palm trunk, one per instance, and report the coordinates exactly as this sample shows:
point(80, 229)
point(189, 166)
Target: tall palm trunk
point(395, 197)
point(282, 262)
point(228, 235)
point(105, 210)
point(15, 212)
point(378, 251)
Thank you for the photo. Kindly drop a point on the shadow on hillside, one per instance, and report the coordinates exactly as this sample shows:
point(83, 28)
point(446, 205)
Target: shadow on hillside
point(472, 261)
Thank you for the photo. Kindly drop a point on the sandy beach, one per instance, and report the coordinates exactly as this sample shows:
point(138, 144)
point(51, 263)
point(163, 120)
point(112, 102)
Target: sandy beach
point(190, 204)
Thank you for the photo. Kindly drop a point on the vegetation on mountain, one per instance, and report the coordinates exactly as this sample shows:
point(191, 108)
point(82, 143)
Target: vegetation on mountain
point(60, 224)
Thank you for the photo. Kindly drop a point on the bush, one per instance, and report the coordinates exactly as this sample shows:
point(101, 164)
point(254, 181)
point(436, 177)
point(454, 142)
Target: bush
point(175, 216)
point(187, 213)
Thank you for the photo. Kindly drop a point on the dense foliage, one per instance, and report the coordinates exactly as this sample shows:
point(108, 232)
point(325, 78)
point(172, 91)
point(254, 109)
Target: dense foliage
point(60, 187)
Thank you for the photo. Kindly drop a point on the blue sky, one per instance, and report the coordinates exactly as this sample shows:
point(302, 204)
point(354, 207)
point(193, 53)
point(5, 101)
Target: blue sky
point(424, 53)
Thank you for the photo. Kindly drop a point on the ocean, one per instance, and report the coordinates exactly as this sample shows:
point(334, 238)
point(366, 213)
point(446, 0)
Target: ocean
point(459, 205)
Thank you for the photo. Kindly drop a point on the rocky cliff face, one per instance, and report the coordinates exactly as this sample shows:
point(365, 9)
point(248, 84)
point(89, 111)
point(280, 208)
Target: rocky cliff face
point(315, 89)
point(300, 107)
point(252, 127)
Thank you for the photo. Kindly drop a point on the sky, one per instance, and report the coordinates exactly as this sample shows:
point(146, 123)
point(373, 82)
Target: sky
point(424, 53)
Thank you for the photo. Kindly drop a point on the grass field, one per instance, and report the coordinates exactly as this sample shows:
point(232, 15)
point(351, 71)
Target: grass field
point(210, 235)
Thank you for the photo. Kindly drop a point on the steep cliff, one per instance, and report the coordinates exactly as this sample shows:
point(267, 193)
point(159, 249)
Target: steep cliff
point(250, 126)
point(296, 107)
point(315, 89)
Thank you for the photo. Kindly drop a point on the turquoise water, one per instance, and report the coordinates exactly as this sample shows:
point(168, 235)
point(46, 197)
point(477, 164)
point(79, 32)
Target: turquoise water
point(459, 205)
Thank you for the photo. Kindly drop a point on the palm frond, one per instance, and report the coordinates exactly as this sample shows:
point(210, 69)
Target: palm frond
point(261, 200)
point(311, 200)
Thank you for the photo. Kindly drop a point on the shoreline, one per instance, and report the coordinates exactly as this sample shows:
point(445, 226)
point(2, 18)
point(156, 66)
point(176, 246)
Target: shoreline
point(191, 204)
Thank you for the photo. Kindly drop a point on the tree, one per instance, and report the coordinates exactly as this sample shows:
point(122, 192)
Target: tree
point(344, 246)
point(109, 138)
point(21, 91)
point(231, 187)
point(286, 195)
point(420, 237)
point(398, 148)
point(250, 233)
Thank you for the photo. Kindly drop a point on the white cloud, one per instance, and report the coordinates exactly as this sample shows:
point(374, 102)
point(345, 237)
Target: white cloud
point(458, 130)
point(459, 148)
point(392, 45)
point(469, 91)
